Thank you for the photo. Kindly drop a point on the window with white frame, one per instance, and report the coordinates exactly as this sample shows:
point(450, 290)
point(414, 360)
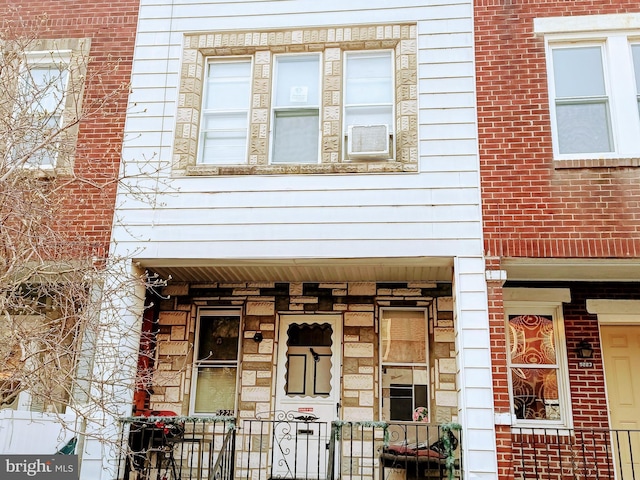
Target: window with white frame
point(45, 98)
point(39, 107)
point(303, 101)
point(295, 122)
point(215, 365)
point(404, 364)
point(225, 112)
point(582, 106)
point(593, 85)
point(635, 52)
point(536, 357)
point(368, 105)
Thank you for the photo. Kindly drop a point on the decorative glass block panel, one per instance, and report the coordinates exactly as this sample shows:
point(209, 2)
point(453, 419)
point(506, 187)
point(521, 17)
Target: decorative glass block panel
point(535, 393)
point(531, 338)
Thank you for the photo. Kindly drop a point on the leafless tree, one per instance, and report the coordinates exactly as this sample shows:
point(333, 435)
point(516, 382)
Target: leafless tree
point(61, 308)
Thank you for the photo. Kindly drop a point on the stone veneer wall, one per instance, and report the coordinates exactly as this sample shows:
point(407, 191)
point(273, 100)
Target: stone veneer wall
point(261, 46)
point(358, 302)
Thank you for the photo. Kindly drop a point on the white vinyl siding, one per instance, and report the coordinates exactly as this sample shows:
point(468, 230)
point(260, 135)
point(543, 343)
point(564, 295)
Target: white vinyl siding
point(376, 218)
point(225, 112)
point(296, 109)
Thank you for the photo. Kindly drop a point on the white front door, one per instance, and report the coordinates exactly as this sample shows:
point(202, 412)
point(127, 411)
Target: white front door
point(621, 354)
point(307, 393)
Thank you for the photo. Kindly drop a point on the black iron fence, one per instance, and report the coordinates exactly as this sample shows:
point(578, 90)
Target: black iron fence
point(287, 446)
point(177, 448)
point(575, 454)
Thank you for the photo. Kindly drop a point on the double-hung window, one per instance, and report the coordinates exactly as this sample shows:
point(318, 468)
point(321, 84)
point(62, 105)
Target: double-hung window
point(404, 364)
point(215, 366)
point(593, 66)
point(321, 100)
point(225, 112)
point(368, 105)
point(296, 109)
point(537, 364)
point(581, 102)
point(39, 107)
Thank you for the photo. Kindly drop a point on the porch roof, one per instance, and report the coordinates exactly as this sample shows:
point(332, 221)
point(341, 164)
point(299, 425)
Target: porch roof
point(399, 269)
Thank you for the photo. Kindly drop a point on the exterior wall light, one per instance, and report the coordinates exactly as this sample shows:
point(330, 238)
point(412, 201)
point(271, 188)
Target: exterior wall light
point(584, 350)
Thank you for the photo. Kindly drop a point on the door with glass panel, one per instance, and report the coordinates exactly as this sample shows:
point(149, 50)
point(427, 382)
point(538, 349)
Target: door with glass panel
point(215, 366)
point(307, 394)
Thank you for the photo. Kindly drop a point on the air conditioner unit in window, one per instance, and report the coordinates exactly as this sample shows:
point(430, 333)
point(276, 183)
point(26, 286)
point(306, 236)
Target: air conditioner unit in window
point(368, 141)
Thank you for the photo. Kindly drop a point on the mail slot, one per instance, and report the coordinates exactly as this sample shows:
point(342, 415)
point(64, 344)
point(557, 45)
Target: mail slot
point(305, 432)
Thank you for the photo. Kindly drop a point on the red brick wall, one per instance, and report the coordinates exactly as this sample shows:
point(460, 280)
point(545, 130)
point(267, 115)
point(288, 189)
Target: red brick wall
point(530, 208)
point(87, 211)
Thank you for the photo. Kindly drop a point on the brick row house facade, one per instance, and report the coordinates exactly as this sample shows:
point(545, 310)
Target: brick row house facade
point(558, 85)
point(363, 227)
point(66, 67)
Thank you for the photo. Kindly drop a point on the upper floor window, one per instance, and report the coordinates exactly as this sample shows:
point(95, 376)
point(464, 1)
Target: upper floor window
point(635, 49)
point(225, 112)
point(582, 106)
point(295, 122)
point(44, 97)
point(593, 75)
point(316, 100)
point(536, 357)
point(368, 105)
point(39, 108)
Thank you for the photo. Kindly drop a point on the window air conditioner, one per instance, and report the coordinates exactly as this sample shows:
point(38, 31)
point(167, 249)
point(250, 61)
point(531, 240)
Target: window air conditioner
point(368, 141)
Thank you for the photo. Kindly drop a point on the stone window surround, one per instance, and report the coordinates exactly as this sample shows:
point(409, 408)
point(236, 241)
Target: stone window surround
point(75, 53)
point(261, 46)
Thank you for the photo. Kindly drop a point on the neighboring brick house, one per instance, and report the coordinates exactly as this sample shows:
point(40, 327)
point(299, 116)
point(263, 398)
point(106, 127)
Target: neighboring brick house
point(76, 55)
point(317, 217)
point(558, 86)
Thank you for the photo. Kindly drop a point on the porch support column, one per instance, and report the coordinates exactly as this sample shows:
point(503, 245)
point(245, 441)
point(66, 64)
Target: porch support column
point(475, 394)
point(114, 369)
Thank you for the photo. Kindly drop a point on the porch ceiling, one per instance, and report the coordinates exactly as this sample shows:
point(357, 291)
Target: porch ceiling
point(573, 269)
point(304, 270)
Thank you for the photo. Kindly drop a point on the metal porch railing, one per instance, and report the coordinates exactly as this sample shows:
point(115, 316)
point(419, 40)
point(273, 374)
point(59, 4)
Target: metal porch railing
point(289, 446)
point(292, 446)
point(575, 454)
point(177, 448)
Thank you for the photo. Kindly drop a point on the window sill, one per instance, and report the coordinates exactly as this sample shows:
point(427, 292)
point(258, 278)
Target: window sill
point(297, 169)
point(559, 430)
point(596, 163)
